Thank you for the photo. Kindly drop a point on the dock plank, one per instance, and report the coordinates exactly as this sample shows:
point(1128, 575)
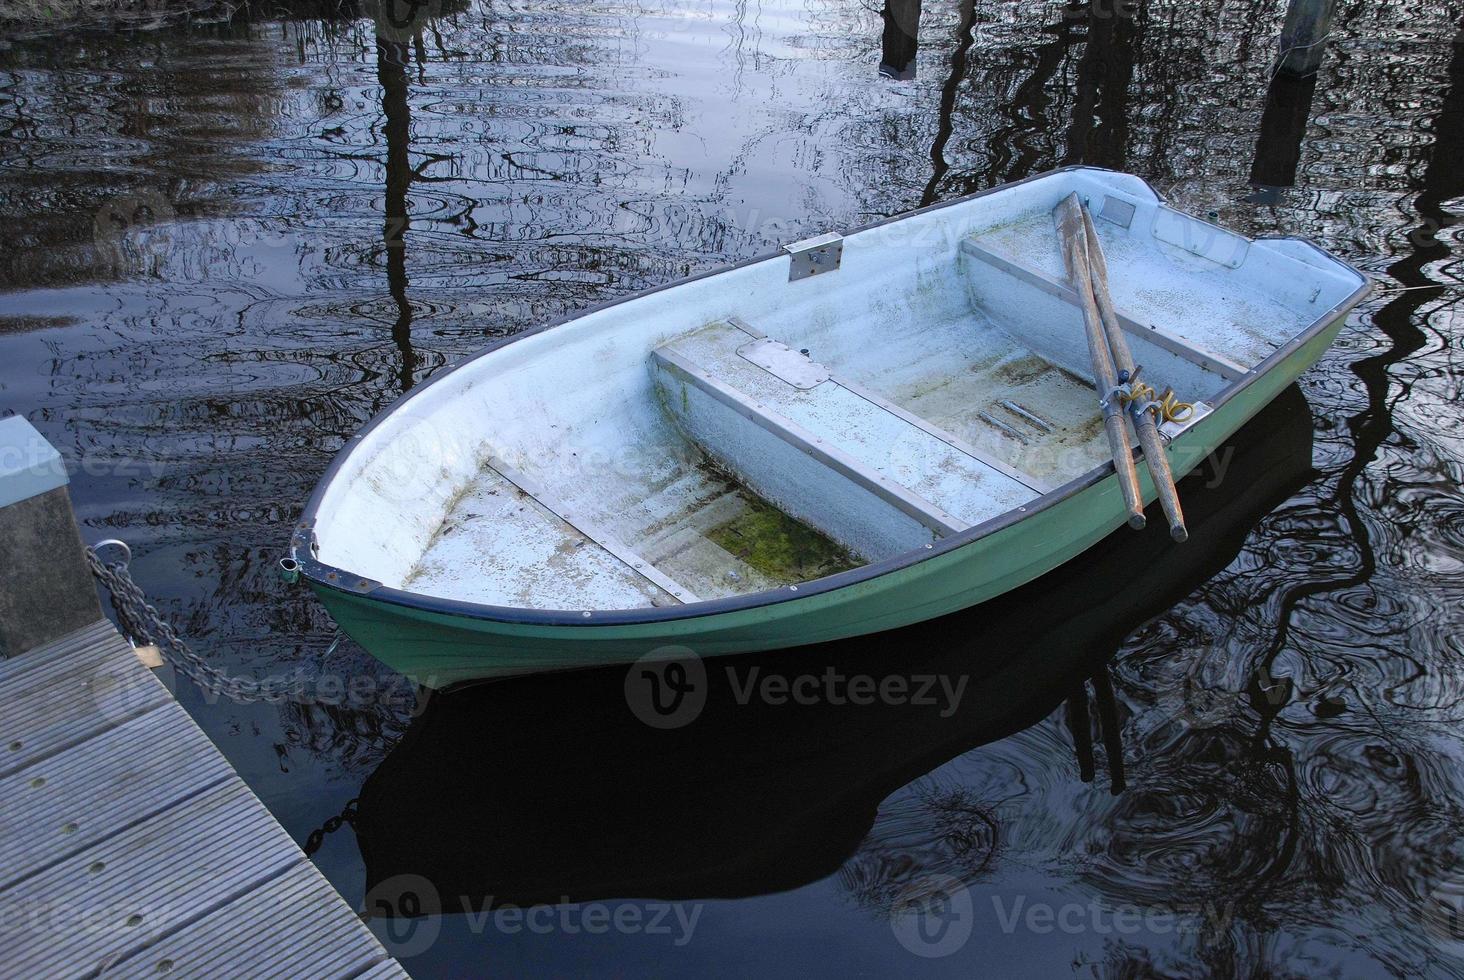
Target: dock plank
point(124, 893)
point(65, 802)
point(129, 846)
point(67, 698)
point(92, 639)
point(275, 931)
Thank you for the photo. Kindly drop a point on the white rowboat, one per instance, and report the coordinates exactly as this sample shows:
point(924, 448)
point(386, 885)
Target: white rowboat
point(856, 433)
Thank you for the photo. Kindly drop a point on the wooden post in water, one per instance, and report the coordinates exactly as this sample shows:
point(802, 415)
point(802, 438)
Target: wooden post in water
point(900, 39)
point(1283, 129)
point(46, 590)
point(1099, 130)
point(1304, 36)
point(945, 115)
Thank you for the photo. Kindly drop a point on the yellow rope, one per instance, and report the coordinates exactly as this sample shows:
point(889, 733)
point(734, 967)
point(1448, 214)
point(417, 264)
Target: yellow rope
point(1167, 406)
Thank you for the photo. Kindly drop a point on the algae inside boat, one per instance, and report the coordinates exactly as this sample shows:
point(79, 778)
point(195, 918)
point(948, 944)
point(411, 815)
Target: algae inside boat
point(852, 435)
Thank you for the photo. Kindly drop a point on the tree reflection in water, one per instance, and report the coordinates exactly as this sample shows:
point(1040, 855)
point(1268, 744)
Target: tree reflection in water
point(228, 246)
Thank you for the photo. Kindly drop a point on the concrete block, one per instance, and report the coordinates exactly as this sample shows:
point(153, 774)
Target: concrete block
point(46, 590)
point(29, 465)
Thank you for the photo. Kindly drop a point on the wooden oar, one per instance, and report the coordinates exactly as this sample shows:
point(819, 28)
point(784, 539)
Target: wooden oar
point(1145, 422)
point(1069, 218)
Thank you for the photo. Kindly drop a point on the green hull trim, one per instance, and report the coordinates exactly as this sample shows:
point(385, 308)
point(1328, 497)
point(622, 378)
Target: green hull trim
point(439, 649)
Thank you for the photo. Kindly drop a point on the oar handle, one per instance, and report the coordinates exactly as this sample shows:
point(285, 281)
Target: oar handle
point(1144, 421)
point(1069, 219)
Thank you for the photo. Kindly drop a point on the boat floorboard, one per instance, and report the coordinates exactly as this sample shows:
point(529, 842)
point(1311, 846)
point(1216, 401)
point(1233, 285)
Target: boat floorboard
point(129, 846)
point(889, 445)
point(501, 546)
point(966, 375)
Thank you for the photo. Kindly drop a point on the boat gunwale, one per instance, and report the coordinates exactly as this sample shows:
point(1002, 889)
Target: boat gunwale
point(336, 579)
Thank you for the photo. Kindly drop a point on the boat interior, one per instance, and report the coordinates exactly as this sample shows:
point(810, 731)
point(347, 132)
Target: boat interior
point(763, 426)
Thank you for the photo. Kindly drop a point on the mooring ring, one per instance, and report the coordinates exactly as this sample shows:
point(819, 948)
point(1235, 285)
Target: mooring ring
point(117, 542)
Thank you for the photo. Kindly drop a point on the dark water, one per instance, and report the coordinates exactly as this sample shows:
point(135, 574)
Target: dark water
point(228, 245)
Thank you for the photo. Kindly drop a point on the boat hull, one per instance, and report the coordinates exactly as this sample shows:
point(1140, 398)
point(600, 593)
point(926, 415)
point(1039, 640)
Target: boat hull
point(442, 648)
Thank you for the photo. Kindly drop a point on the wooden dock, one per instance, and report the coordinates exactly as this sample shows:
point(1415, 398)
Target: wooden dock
point(130, 847)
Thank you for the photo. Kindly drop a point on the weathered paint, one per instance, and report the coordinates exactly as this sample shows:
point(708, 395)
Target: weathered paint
point(590, 384)
point(438, 650)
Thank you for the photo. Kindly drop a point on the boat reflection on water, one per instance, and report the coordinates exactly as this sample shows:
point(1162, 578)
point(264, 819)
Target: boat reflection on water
point(554, 787)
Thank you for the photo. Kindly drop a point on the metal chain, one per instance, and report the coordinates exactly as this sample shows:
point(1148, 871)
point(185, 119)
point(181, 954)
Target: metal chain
point(141, 619)
point(331, 825)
